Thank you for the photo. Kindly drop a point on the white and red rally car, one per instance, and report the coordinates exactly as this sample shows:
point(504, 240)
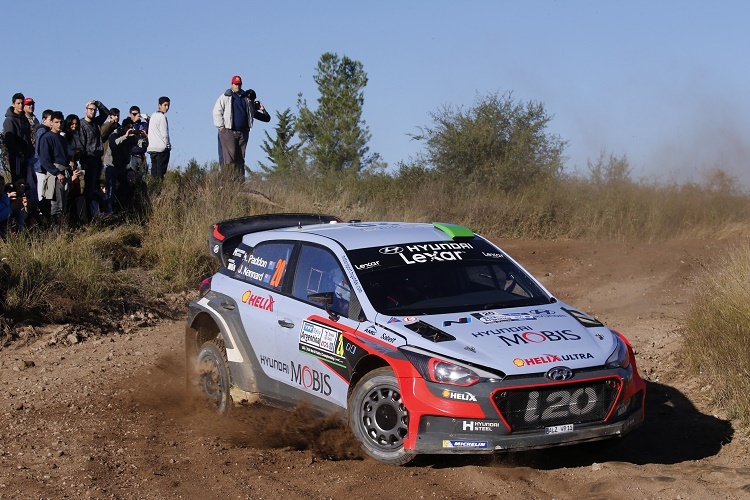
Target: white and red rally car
point(427, 337)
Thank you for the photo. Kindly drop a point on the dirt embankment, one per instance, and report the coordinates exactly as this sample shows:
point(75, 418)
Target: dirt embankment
point(110, 416)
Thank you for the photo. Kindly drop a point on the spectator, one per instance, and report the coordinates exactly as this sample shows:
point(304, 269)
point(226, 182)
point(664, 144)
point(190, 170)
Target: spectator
point(118, 155)
point(112, 124)
point(90, 140)
point(28, 109)
point(70, 131)
point(42, 129)
point(234, 113)
point(6, 210)
point(158, 139)
point(138, 153)
point(17, 138)
point(53, 156)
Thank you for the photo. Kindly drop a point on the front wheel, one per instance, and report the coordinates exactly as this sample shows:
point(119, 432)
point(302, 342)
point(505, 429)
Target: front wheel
point(378, 417)
point(213, 376)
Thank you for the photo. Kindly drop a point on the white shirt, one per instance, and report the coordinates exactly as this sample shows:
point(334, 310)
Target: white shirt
point(158, 133)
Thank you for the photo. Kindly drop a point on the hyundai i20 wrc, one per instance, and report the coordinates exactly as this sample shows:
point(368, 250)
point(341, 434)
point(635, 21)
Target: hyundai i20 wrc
point(428, 338)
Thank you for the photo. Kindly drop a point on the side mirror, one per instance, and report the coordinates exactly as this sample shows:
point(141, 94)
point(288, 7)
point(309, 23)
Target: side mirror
point(325, 299)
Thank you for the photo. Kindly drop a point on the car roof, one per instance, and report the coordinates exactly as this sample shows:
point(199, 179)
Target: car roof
point(355, 235)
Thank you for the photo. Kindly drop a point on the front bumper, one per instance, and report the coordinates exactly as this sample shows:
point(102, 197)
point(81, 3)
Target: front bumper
point(464, 435)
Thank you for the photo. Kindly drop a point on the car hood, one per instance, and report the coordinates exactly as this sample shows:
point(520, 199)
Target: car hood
point(516, 341)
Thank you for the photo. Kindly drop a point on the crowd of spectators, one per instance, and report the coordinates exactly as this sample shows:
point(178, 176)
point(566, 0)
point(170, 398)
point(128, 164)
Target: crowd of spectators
point(68, 171)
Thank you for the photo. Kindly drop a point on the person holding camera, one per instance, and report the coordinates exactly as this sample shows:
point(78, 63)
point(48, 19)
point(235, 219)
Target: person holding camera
point(234, 113)
point(118, 155)
point(90, 144)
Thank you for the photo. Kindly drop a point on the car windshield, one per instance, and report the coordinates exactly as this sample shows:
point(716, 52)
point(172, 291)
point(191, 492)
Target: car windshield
point(442, 277)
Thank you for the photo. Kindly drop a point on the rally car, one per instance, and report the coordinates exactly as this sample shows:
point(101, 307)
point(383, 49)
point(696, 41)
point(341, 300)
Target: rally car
point(428, 338)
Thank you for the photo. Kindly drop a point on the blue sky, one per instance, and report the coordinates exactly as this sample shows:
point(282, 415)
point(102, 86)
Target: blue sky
point(663, 82)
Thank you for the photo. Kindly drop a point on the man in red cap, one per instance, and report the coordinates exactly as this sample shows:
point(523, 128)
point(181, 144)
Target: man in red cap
point(28, 108)
point(234, 113)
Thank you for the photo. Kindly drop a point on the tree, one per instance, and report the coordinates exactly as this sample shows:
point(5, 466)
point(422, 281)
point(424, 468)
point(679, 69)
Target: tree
point(334, 135)
point(284, 156)
point(499, 142)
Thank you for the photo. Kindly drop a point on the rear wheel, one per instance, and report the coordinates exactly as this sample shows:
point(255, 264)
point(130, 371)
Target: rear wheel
point(378, 417)
point(213, 377)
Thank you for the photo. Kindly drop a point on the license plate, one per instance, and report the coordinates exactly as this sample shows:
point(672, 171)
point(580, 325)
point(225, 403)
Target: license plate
point(557, 429)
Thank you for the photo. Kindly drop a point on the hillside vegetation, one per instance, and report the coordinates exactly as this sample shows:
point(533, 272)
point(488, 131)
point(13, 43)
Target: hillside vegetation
point(75, 276)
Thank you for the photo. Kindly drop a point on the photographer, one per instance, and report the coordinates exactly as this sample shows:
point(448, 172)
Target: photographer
point(234, 113)
point(118, 155)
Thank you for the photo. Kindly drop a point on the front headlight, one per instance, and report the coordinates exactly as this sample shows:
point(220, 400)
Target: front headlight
point(620, 358)
point(446, 372)
point(440, 370)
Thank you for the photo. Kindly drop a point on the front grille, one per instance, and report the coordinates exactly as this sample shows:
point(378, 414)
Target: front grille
point(527, 409)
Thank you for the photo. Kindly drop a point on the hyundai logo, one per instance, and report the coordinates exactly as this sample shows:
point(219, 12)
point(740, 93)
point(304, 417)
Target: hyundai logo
point(391, 250)
point(559, 373)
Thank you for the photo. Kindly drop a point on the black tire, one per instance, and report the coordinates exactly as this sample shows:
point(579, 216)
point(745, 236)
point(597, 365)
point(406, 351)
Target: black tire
point(212, 375)
point(378, 417)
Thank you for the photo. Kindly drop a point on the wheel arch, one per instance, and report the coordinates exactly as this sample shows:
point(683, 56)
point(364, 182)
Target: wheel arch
point(201, 329)
point(363, 367)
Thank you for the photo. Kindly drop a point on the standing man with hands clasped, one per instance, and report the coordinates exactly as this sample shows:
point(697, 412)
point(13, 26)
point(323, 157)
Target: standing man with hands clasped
point(158, 139)
point(233, 115)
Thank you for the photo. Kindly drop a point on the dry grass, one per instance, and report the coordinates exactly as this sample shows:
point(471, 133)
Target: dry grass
point(717, 336)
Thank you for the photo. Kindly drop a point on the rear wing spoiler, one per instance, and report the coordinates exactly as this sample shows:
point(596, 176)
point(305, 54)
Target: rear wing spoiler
point(226, 235)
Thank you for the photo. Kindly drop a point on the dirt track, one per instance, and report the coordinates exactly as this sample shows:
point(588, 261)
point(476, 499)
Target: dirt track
point(110, 417)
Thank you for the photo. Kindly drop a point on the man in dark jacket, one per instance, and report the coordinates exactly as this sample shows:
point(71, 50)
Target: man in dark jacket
point(53, 158)
point(234, 113)
point(90, 143)
point(17, 137)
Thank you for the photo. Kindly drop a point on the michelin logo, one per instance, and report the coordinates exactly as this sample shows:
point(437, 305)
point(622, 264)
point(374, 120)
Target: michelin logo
point(451, 443)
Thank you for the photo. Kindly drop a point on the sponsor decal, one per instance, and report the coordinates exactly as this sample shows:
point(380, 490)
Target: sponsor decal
point(391, 250)
point(394, 320)
point(368, 265)
point(444, 256)
point(410, 319)
point(529, 336)
point(388, 338)
point(600, 336)
point(353, 280)
point(488, 317)
point(502, 331)
point(479, 426)
point(324, 343)
point(350, 348)
point(311, 379)
point(459, 321)
point(470, 349)
point(493, 255)
point(546, 313)
point(371, 330)
point(460, 396)
point(264, 303)
point(274, 364)
point(551, 358)
point(231, 265)
point(452, 443)
point(238, 252)
point(216, 248)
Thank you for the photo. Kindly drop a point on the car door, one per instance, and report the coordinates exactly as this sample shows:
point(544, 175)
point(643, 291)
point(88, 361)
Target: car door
point(313, 336)
point(259, 278)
